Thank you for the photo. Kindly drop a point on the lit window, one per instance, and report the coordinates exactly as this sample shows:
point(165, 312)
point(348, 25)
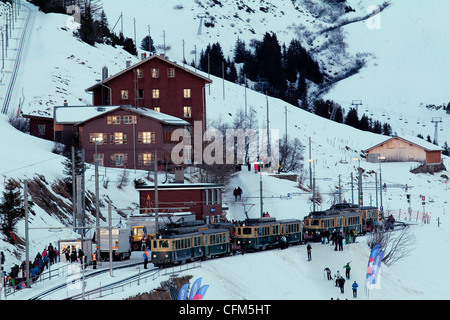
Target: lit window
point(158, 109)
point(113, 119)
point(155, 73)
point(139, 73)
point(186, 93)
point(97, 138)
point(187, 112)
point(124, 94)
point(146, 137)
point(145, 159)
point(118, 138)
point(155, 93)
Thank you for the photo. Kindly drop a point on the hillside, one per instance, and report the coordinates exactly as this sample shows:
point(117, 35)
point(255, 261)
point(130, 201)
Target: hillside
point(67, 66)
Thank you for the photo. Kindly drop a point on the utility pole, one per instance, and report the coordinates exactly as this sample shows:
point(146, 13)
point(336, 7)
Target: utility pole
point(74, 202)
point(27, 240)
point(97, 208)
point(156, 192)
point(110, 239)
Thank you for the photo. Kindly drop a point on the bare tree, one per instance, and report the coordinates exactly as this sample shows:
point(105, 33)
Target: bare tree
point(396, 244)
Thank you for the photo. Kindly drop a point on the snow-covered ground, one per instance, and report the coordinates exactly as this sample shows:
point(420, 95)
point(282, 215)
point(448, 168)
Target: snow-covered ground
point(66, 67)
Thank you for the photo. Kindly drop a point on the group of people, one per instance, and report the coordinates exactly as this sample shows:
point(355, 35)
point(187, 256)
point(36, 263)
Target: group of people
point(339, 280)
point(237, 193)
point(337, 238)
point(74, 256)
point(18, 274)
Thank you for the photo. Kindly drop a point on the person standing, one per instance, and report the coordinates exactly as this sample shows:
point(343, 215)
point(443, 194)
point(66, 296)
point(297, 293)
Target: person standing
point(94, 259)
point(347, 270)
point(341, 284)
point(145, 255)
point(308, 249)
point(355, 289)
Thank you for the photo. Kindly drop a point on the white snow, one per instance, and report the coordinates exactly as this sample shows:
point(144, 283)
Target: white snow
point(408, 67)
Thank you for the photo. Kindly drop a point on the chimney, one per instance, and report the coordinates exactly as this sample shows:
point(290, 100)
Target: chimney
point(104, 73)
point(128, 64)
point(143, 55)
point(65, 103)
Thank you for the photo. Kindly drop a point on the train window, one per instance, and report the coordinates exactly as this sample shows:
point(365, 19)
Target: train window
point(247, 231)
point(315, 222)
point(163, 243)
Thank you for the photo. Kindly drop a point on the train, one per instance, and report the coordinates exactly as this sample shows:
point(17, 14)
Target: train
point(183, 242)
point(340, 218)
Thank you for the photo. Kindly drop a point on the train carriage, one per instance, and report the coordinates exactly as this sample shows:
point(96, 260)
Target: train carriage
point(370, 218)
point(178, 247)
point(317, 223)
point(292, 229)
point(258, 233)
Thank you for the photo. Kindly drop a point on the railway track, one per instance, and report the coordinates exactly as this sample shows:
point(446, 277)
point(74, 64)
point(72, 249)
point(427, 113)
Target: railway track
point(14, 72)
point(87, 276)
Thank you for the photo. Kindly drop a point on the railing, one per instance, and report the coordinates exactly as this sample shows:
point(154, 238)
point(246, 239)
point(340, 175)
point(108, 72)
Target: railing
point(47, 274)
point(120, 286)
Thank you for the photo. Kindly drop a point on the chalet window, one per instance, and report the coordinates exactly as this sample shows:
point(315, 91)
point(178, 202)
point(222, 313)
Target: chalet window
point(129, 119)
point(118, 138)
point(187, 112)
point(145, 159)
point(119, 159)
point(171, 72)
point(155, 93)
point(187, 93)
point(140, 94)
point(113, 119)
point(139, 73)
point(96, 137)
point(98, 158)
point(124, 94)
point(155, 73)
point(146, 137)
point(41, 129)
point(158, 109)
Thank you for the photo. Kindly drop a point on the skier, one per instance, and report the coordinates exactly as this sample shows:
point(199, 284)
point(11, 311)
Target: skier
point(347, 270)
point(355, 289)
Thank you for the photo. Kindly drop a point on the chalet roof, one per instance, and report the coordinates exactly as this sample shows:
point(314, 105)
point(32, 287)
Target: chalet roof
point(75, 114)
point(179, 186)
point(427, 146)
point(159, 116)
point(155, 56)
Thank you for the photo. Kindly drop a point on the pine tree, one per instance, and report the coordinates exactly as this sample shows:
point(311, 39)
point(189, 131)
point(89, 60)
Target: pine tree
point(147, 44)
point(12, 207)
point(128, 45)
point(352, 118)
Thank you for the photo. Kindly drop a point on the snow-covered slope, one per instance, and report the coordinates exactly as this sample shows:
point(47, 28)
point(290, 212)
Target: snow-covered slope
point(57, 67)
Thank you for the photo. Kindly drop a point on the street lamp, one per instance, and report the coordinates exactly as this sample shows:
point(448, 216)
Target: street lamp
point(381, 184)
point(360, 193)
point(314, 182)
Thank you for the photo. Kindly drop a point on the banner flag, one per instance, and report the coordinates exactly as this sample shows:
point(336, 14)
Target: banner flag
point(372, 257)
point(201, 293)
point(195, 288)
point(376, 267)
point(183, 292)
